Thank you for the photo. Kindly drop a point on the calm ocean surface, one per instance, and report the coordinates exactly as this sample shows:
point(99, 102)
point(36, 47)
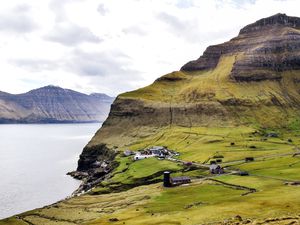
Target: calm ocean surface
point(34, 160)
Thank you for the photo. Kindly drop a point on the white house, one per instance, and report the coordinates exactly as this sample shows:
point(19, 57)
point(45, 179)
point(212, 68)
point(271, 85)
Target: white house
point(128, 152)
point(139, 156)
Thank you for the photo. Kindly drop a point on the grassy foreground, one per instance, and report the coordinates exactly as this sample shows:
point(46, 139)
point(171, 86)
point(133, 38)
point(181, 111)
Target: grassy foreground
point(208, 199)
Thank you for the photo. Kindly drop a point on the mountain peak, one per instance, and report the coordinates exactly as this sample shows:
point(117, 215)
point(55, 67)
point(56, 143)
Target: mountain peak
point(50, 104)
point(277, 19)
point(264, 50)
point(51, 86)
point(47, 89)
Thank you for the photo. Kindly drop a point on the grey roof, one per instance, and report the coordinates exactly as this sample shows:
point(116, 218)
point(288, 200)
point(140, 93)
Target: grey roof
point(213, 166)
point(156, 148)
point(178, 179)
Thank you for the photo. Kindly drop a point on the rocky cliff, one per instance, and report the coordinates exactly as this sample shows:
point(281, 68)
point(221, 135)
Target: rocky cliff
point(267, 48)
point(252, 80)
point(53, 104)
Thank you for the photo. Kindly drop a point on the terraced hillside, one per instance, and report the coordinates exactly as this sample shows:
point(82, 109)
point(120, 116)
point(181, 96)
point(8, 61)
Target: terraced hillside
point(240, 99)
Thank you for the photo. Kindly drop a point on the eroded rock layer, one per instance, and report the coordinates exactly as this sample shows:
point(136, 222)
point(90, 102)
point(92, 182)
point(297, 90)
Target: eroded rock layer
point(266, 48)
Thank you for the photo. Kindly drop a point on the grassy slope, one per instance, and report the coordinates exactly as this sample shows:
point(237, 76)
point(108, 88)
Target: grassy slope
point(204, 200)
point(214, 86)
point(211, 84)
point(133, 173)
point(224, 103)
point(198, 202)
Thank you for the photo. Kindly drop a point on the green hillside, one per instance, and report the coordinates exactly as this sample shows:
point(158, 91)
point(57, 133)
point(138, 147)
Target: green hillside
point(239, 100)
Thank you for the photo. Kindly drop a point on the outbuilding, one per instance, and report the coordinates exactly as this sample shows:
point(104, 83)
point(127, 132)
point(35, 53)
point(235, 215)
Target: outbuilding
point(180, 180)
point(139, 156)
point(174, 181)
point(157, 150)
point(216, 169)
point(128, 152)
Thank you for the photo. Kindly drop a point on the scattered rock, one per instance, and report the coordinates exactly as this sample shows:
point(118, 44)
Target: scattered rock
point(238, 217)
point(272, 134)
point(78, 175)
point(146, 197)
point(241, 173)
point(193, 204)
point(293, 183)
point(247, 221)
point(249, 159)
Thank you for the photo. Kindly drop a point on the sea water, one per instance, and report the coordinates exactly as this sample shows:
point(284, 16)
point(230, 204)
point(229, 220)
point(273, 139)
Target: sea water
point(34, 160)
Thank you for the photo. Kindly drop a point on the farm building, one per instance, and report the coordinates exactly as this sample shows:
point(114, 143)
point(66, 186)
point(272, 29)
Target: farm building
point(128, 152)
point(180, 180)
point(139, 156)
point(155, 151)
point(174, 181)
point(216, 169)
point(242, 173)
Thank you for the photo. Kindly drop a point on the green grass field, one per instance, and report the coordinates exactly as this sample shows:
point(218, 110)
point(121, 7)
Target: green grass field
point(142, 169)
point(204, 200)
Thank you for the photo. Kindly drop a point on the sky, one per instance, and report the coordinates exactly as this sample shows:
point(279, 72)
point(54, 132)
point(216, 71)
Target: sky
point(113, 46)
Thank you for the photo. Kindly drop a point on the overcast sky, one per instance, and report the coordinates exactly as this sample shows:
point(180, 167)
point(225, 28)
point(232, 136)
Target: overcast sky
point(112, 46)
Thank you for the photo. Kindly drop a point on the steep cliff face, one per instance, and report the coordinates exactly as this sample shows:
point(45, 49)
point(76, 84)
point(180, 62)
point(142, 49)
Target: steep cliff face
point(264, 50)
point(251, 80)
point(53, 104)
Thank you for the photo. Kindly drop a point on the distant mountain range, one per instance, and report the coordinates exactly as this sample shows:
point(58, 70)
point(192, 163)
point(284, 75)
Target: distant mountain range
point(52, 104)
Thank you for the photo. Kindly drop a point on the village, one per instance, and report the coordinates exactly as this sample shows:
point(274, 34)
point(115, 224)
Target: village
point(163, 153)
point(160, 152)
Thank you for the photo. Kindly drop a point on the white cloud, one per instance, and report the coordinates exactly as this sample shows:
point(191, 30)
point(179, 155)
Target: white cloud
point(70, 34)
point(115, 46)
point(102, 9)
point(17, 20)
